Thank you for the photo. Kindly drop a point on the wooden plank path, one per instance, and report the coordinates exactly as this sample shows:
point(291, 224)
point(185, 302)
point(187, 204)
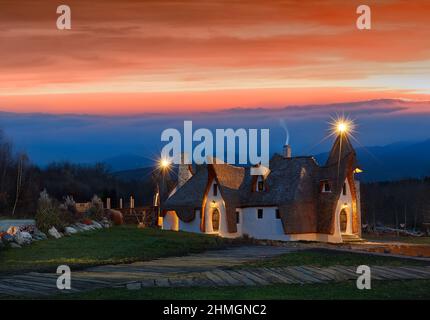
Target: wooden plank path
point(289, 275)
point(208, 269)
point(147, 273)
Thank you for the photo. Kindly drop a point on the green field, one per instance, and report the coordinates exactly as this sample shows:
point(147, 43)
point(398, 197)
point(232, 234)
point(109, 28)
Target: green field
point(411, 289)
point(107, 246)
point(326, 258)
point(412, 240)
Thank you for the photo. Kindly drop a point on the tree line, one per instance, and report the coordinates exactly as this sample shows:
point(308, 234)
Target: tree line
point(22, 181)
point(398, 204)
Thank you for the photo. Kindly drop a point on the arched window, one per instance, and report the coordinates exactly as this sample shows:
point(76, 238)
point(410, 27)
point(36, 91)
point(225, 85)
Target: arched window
point(343, 220)
point(215, 220)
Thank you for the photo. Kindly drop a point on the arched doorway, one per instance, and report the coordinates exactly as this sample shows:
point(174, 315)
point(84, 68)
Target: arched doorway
point(215, 220)
point(343, 218)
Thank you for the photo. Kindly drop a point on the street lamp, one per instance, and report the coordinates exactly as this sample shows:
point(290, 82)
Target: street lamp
point(342, 126)
point(164, 165)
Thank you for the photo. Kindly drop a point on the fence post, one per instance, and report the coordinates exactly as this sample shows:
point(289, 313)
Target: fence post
point(131, 202)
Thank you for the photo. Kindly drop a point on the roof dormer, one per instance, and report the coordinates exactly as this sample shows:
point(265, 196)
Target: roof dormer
point(325, 186)
point(260, 185)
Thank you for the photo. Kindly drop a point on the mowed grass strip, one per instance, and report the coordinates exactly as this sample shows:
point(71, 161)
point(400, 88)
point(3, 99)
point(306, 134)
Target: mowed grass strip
point(386, 290)
point(115, 245)
point(326, 258)
point(406, 240)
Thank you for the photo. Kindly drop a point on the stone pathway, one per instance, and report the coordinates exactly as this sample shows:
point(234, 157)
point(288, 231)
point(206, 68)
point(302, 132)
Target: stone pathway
point(211, 268)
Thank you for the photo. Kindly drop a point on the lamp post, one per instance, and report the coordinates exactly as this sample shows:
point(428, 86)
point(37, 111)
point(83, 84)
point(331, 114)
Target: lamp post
point(163, 166)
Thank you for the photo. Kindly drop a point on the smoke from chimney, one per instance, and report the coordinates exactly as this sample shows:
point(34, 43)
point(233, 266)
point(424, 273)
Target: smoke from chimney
point(287, 132)
point(287, 147)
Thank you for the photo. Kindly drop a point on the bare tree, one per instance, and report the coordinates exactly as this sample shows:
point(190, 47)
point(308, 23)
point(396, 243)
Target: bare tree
point(6, 160)
point(22, 158)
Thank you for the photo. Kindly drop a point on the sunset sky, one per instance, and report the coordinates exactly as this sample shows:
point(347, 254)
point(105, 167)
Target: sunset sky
point(129, 69)
point(128, 57)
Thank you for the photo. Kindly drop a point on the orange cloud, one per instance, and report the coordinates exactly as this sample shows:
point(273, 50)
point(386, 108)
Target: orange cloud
point(130, 57)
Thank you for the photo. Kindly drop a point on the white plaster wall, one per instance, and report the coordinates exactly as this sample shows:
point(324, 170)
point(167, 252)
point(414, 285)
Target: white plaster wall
point(266, 228)
point(192, 226)
point(270, 228)
point(170, 221)
point(220, 205)
point(344, 200)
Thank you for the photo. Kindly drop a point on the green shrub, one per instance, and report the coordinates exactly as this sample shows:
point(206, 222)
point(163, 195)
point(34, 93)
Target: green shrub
point(66, 217)
point(67, 211)
point(96, 211)
point(48, 214)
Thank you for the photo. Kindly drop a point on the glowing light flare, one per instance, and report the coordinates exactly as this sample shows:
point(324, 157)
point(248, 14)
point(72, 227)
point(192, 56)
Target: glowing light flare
point(342, 126)
point(164, 164)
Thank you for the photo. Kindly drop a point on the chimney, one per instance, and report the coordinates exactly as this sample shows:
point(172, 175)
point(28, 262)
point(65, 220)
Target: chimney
point(287, 151)
point(184, 170)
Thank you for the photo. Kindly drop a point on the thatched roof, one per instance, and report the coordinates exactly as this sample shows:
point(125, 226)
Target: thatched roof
point(189, 197)
point(290, 186)
point(293, 185)
point(342, 148)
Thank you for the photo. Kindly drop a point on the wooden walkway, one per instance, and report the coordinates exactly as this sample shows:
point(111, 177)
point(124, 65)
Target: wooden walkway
point(212, 268)
point(44, 284)
point(285, 275)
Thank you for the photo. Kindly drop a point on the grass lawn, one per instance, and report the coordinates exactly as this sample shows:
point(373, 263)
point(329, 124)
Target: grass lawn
point(412, 240)
point(411, 289)
point(325, 258)
point(107, 246)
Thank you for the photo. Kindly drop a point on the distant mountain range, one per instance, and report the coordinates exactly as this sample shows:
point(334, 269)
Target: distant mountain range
point(126, 162)
point(140, 174)
point(395, 161)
